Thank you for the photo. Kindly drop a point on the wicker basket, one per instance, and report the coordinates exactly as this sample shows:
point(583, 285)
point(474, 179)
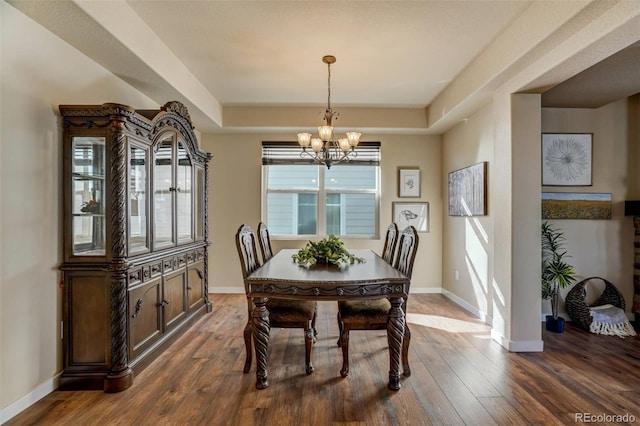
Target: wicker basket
point(576, 303)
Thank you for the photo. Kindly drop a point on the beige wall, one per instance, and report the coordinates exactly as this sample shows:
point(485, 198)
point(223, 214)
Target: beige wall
point(466, 249)
point(39, 72)
point(602, 248)
point(235, 193)
point(496, 281)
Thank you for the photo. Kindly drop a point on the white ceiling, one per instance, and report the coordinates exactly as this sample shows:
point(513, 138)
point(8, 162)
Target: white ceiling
point(268, 53)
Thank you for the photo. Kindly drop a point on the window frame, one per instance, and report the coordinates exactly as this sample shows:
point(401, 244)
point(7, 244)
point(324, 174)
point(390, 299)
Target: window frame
point(322, 192)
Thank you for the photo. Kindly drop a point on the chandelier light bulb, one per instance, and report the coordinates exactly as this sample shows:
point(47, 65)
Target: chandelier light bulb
point(304, 139)
point(317, 144)
point(354, 138)
point(344, 144)
point(325, 132)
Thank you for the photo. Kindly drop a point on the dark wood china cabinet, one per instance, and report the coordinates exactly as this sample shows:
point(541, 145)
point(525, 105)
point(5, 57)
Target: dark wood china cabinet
point(135, 239)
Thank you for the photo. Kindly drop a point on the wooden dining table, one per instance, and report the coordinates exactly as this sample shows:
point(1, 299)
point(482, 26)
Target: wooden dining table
point(280, 277)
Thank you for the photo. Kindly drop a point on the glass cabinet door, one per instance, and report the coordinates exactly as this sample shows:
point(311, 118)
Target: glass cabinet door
point(183, 195)
point(163, 193)
point(199, 203)
point(138, 199)
point(88, 186)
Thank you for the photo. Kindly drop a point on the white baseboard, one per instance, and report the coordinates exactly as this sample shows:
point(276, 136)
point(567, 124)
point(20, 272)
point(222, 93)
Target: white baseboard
point(29, 399)
point(467, 307)
point(425, 290)
point(517, 346)
point(226, 290)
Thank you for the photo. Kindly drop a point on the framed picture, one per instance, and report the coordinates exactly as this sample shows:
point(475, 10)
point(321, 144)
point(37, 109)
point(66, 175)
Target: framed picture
point(566, 159)
point(576, 205)
point(468, 191)
point(408, 182)
point(416, 214)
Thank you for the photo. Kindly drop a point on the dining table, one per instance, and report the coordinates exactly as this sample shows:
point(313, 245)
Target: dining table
point(281, 277)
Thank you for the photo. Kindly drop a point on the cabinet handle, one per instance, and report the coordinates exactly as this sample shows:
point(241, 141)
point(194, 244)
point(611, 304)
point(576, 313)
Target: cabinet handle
point(172, 189)
point(200, 273)
point(164, 303)
point(189, 288)
point(137, 308)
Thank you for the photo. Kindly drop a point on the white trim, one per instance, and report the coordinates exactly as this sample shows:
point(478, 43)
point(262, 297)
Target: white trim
point(517, 346)
point(468, 307)
point(425, 290)
point(29, 399)
point(226, 290)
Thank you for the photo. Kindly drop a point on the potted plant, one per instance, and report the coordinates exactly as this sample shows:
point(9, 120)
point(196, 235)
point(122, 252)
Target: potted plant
point(329, 250)
point(556, 273)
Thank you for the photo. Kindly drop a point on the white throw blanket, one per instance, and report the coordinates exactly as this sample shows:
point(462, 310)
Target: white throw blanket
point(610, 320)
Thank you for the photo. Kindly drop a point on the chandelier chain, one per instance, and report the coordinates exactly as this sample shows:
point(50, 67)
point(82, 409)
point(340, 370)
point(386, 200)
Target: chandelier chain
point(329, 87)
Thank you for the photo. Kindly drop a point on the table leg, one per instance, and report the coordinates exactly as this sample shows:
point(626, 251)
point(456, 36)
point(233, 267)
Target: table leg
point(395, 333)
point(261, 328)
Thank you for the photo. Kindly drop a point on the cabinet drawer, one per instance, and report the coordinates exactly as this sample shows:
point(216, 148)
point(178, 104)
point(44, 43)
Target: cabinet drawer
point(175, 262)
point(152, 270)
point(135, 276)
point(195, 255)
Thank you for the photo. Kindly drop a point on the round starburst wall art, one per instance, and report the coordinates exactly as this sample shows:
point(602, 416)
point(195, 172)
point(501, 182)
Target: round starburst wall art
point(566, 159)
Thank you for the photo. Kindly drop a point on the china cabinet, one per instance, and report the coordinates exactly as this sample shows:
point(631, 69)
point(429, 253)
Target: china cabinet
point(135, 239)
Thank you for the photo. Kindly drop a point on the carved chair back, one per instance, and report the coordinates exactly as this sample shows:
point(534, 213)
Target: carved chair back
point(265, 241)
point(407, 249)
point(246, 245)
point(390, 242)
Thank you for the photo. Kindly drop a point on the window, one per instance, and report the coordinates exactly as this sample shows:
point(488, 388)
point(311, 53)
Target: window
point(303, 198)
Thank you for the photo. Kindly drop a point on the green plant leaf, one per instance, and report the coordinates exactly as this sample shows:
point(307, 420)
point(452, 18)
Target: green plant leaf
point(330, 248)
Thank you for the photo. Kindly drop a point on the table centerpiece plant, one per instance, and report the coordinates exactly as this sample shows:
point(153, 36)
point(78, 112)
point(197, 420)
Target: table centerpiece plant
point(329, 251)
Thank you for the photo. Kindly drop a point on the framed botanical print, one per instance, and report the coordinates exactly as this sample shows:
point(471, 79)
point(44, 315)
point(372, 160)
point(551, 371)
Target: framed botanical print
point(408, 182)
point(416, 214)
point(566, 159)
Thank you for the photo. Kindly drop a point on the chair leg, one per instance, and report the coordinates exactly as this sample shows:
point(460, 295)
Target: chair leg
point(339, 329)
point(248, 335)
point(313, 324)
point(406, 340)
point(308, 343)
point(344, 339)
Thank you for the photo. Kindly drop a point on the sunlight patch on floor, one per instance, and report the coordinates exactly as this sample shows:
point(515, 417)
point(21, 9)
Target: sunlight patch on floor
point(447, 324)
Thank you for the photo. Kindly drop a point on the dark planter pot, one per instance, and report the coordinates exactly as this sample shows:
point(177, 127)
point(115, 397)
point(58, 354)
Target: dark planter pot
point(555, 325)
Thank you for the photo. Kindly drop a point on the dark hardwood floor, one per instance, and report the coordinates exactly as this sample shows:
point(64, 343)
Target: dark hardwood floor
point(459, 376)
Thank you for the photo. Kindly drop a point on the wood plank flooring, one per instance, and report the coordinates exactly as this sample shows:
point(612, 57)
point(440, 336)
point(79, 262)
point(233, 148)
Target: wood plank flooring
point(459, 377)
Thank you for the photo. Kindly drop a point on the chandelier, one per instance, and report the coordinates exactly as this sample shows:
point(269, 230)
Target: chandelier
point(326, 149)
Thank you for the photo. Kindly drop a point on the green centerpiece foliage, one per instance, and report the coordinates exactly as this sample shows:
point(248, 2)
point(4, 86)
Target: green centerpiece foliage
point(329, 250)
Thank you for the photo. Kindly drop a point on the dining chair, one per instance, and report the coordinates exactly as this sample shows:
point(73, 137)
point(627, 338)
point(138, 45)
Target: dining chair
point(373, 314)
point(388, 251)
point(265, 241)
point(282, 313)
point(390, 241)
